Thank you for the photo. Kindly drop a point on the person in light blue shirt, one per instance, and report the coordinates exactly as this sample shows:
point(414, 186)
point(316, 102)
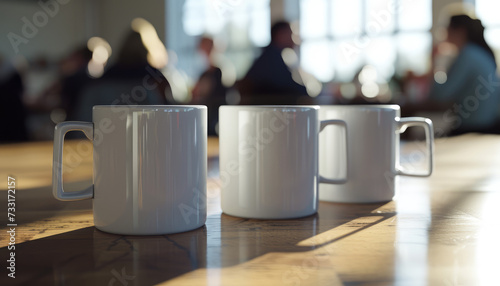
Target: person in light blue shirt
point(472, 87)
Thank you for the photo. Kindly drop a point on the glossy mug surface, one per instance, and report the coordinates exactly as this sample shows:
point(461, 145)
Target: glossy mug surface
point(372, 156)
point(149, 168)
point(269, 161)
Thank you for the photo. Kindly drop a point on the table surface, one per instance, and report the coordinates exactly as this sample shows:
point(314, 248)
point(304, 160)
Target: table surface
point(441, 230)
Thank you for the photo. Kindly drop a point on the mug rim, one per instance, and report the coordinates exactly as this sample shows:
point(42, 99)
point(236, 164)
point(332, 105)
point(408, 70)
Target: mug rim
point(394, 107)
point(125, 106)
point(317, 107)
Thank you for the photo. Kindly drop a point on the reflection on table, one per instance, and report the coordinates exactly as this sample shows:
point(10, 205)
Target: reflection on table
point(438, 231)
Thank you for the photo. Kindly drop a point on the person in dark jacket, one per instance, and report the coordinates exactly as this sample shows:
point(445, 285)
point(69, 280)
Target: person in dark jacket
point(12, 110)
point(269, 75)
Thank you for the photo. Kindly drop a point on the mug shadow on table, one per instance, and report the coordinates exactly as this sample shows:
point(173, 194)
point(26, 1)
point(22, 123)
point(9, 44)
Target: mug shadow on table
point(89, 256)
point(38, 203)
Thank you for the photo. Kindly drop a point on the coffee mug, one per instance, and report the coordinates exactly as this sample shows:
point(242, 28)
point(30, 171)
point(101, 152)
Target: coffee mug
point(149, 164)
point(269, 160)
point(372, 152)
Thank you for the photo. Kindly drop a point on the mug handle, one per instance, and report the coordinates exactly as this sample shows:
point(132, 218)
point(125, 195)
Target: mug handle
point(426, 123)
point(342, 123)
point(57, 167)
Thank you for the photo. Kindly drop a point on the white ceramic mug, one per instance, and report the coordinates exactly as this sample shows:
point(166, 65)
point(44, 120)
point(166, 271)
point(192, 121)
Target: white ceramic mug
point(372, 152)
point(150, 165)
point(269, 160)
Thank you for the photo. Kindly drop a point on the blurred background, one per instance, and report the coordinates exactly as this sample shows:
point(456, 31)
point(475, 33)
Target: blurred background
point(58, 58)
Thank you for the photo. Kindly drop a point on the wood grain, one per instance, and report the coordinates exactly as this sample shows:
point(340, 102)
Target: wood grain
point(442, 230)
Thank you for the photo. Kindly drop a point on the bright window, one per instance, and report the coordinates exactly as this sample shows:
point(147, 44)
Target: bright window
point(340, 37)
point(487, 11)
point(239, 26)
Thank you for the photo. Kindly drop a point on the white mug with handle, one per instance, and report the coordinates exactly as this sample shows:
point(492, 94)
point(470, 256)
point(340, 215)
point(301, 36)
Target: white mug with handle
point(372, 152)
point(150, 165)
point(269, 160)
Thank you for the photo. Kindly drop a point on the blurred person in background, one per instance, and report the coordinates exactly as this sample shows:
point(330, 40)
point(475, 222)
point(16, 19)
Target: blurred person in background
point(12, 110)
point(269, 75)
point(74, 77)
point(209, 89)
point(469, 91)
point(130, 81)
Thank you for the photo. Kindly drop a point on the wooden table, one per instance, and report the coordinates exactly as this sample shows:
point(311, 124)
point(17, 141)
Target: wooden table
point(439, 231)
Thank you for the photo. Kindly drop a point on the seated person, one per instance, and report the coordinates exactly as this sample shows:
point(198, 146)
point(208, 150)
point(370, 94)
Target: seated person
point(269, 75)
